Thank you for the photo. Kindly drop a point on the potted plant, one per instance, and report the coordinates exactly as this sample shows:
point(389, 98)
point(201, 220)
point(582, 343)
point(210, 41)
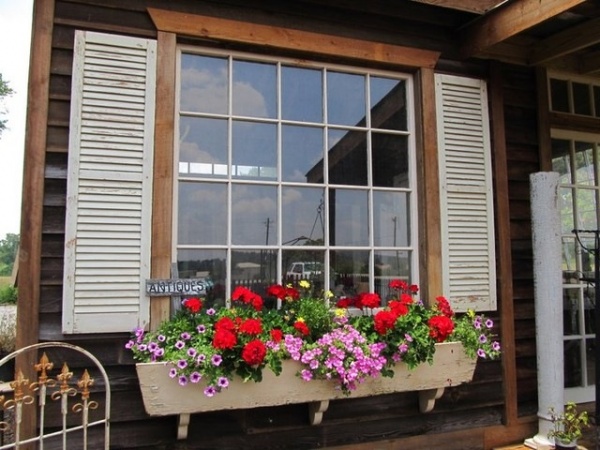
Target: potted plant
point(568, 426)
point(331, 353)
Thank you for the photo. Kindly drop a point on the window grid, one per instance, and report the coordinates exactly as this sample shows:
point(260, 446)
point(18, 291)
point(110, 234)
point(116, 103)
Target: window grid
point(231, 181)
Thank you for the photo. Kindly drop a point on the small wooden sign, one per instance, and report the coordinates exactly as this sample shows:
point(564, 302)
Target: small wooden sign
point(176, 287)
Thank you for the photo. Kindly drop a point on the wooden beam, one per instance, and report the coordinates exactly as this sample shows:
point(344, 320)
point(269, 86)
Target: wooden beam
point(509, 20)
point(30, 250)
point(290, 39)
point(162, 202)
point(589, 63)
point(474, 6)
point(430, 247)
point(568, 41)
point(503, 244)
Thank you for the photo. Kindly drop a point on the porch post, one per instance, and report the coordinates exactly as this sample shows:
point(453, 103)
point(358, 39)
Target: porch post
point(546, 231)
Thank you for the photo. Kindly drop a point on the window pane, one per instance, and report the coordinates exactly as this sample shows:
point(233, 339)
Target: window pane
point(566, 210)
point(559, 95)
point(302, 154)
point(347, 157)
point(390, 219)
point(346, 103)
point(303, 216)
point(582, 99)
point(573, 363)
point(349, 225)
point(561, 161)
point(584, 163)
point(388, 103)
point(203, 84)
point(301, 94)
point(254, 213)
point(351, 269)
point(390, 265)
point(586, 209)
point(571, 304)
point(390, 160)
point(569, 259)
point(254, 89)
point(203, 147)
point(254, 150)
point(597, 100)
point(255, 269)
point(202, 213)
point(304, 265)
point(590, 355)
point(208, 264)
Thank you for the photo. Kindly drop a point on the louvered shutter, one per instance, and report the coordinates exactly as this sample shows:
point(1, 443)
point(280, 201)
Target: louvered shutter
point(109, 187)
point(468, 253)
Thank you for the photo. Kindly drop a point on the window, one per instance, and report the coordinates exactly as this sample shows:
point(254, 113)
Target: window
point(575, 158)
point(574, 96)
point(288, 171)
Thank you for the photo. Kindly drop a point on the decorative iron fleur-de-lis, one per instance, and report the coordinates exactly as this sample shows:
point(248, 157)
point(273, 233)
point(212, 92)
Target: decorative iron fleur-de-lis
point(65, 390)
point(84, 384)
point(19, 397)
point(43, 367)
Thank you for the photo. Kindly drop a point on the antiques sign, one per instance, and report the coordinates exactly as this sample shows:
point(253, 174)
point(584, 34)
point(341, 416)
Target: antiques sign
point(185, 286)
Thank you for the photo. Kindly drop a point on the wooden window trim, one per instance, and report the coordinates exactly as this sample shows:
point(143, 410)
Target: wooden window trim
point(290, 39)
point(172, 24)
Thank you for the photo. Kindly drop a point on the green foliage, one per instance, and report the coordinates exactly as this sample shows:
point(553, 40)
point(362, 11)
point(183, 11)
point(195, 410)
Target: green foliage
point(8, 294)
point(569, 425)
point(5, 90)
point(8, 253)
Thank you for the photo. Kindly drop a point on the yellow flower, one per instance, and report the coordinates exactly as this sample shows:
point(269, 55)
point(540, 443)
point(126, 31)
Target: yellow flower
point(299, 319)
point(328, 294)
point(304, 284)
point(339, 312)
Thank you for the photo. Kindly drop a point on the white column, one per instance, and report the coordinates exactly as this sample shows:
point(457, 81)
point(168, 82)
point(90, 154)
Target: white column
point(546, 237)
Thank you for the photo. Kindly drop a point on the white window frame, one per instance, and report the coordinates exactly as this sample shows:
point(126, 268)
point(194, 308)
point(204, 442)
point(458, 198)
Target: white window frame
point(410, 133)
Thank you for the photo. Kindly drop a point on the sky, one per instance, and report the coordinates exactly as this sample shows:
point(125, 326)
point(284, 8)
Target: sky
point(15, 39)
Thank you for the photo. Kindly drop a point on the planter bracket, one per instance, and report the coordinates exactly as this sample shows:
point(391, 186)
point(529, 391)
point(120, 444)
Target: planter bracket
point(428, 397)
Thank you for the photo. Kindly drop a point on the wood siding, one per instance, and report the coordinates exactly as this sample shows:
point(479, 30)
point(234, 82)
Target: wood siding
point(466, 417)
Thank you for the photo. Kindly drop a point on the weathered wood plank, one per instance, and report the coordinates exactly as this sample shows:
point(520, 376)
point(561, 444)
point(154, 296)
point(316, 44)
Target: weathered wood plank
point(290, 39)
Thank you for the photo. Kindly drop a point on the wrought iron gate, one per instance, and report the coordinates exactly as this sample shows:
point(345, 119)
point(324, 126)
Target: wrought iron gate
point(68, 415)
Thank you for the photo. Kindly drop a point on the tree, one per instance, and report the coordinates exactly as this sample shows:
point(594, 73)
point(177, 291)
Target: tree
point(5, 90)
point(8, 253)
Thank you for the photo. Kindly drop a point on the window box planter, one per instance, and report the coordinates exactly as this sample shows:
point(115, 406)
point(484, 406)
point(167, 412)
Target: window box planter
point(164, 396)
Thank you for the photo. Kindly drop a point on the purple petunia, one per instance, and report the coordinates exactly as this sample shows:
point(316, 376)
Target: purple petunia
point(210, 391)
point(211, 311)
point(481, 353)
point(222, 382)
point(216, 360)
point(182, 363)
point(183, 380)
point(195, 377)
point(179, 345)
point(201, 329)
point(172, 373)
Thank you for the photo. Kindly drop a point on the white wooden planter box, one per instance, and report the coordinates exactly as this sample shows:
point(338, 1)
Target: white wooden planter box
point(163, 395)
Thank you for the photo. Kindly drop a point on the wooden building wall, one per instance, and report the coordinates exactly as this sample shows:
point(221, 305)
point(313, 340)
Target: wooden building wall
point(466, 417)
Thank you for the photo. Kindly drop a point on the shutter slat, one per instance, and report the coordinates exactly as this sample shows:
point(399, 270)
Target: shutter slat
point(107, 256)
point(468, 254)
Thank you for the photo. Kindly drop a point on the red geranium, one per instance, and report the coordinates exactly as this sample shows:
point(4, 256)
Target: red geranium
point(440, 327)
point(302, 328)
point(406, 299)
point(369, 300)
point(257, 302)
point(254, 352)
point(292, 293)
point(193, 304)
point(399, 285)
point(225, 323)
point(276, 335)
point(444, 307)
point(277, 291)
point(242, 294)
point(251, 326)
point(384, 321)
point(399, 308)
point(344, 302)
point(224, 339)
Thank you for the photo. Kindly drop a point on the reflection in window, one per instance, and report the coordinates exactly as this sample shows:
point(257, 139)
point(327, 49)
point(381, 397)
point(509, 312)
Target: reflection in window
point(574, 157)
point(287, 170)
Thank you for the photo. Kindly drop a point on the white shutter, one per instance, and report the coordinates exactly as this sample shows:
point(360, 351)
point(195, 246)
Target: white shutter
point(109, 187)
point(468, 253)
